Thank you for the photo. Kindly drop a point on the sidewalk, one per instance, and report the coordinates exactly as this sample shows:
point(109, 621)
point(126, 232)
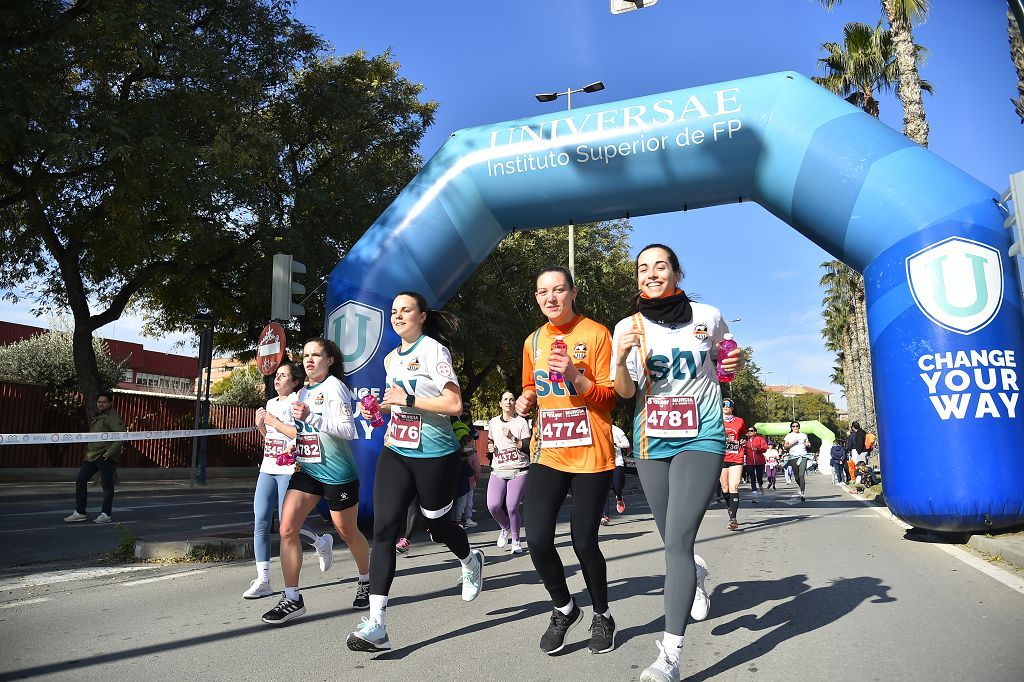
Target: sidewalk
point(39, 490)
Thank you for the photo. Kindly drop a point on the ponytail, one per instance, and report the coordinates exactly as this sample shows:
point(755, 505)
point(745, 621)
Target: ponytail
point(440, 325)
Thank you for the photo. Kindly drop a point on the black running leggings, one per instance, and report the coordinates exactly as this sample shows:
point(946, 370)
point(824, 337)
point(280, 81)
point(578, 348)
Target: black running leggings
point(398, 480)
point(755, 471)
point(546, 489)
point(676, 489)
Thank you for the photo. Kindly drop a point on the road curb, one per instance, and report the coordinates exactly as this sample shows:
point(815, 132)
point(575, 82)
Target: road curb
point(239, 548)
point(1010, 553)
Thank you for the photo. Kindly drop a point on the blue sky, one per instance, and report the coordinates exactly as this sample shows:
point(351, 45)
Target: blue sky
point(482, 62)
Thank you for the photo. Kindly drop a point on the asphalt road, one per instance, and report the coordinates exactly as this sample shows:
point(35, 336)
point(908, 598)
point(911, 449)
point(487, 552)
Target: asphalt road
point(827, 590)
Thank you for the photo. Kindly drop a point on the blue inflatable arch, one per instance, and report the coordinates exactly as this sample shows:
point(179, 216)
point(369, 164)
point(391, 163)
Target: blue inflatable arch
point(944, 315)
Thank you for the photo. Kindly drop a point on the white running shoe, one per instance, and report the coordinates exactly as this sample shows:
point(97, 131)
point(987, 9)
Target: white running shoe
point(324, 548)
point(258, 589)
point(665, 669)
point(75, 517)
point(102, 518)
point(701, 600)
point(473, 578)
point(502, 537)
point(369, 636)
point(516, 548)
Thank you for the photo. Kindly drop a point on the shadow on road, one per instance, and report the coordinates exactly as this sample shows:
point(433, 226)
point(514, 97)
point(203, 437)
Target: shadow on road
point(806, 611)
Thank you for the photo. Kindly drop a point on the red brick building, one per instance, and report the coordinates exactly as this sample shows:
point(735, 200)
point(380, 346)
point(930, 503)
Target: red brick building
point(145, 370)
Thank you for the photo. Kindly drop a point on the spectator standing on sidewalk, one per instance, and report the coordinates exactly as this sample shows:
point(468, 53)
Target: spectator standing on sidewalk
point(753, 455)
point(100, 456)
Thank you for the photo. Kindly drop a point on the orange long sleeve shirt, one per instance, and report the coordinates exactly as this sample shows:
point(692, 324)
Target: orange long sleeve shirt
point(590, 349)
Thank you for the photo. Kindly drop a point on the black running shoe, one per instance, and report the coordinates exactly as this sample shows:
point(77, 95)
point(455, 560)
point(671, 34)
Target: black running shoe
point(553, 639)
point(602, 634)
point(362, 600)
point(286, 610)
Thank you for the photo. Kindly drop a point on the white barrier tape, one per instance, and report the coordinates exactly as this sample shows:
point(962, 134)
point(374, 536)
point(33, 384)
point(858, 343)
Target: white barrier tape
point(52, 438)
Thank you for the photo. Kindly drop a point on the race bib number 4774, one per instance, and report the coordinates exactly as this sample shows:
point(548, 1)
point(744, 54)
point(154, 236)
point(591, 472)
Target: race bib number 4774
point(565, 428)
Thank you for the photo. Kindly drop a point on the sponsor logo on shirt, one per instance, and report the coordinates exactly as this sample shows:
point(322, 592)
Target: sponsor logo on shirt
point(701, 331)
point(580, 351)
point(318, 400)
point(413, 365)
point(445, 370)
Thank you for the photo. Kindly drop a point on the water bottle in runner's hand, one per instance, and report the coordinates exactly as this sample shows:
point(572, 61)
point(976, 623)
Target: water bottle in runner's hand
point(371, 406)
point(557, 377)
point(726, 346)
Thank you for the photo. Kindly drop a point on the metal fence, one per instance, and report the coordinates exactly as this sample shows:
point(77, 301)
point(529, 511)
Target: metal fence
point(24, 409)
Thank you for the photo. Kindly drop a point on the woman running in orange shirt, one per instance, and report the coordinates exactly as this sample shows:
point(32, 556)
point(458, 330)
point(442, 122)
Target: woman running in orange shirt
point(572, 450)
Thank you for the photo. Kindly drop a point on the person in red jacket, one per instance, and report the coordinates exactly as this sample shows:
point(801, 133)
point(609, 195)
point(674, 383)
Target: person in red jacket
point(753, 456)
point(732, 466)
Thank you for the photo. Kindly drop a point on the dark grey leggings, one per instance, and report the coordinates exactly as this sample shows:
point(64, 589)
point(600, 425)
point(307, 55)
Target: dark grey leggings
point(799, 471)
point(677, 490)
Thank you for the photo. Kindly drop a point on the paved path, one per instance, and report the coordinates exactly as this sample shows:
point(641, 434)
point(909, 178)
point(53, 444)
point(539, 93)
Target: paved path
point(827, 590)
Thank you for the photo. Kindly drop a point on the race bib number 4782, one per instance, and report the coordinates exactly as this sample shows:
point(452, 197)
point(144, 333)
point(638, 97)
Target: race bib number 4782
point(565, 428)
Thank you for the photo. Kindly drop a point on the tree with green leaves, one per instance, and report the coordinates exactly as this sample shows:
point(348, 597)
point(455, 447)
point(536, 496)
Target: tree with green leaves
point(498, 310)
point(902, 16)
point(47, 359)
point(155, 155)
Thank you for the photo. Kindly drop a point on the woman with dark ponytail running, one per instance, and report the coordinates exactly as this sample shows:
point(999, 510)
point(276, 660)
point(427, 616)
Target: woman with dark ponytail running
point(420, 458)
point(665, 357)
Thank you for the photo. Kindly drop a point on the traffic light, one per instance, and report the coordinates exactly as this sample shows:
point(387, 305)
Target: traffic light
point(283, 288)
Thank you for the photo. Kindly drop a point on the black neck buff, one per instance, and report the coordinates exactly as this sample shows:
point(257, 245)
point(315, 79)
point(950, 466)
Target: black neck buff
point(674, 309)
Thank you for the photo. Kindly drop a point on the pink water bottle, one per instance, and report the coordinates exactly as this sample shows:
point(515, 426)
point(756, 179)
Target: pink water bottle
point(371, 406)
point(726, 346)
point(556, 377)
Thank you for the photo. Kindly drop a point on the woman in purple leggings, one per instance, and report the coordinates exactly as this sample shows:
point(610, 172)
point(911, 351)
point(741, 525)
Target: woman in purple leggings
point(508, 438)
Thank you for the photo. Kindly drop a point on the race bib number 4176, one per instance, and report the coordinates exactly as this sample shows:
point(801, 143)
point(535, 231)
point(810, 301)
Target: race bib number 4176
point(565, 428)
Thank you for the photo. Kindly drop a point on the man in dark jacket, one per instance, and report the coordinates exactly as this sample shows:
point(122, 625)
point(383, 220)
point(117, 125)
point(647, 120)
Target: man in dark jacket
point(100, 456)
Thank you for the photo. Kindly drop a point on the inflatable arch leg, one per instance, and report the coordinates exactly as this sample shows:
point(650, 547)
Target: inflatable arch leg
point(944, 316)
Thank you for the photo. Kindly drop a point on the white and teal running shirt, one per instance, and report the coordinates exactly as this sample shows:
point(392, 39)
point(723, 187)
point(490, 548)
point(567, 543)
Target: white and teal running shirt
point(422, 371)
point(321, 444)
point(678, 400)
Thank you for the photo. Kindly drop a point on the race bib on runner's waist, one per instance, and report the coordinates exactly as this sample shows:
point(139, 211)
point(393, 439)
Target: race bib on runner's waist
point(405, 430)
point(672, 417)
point(272, 447)
point(509, 457)
point(307, 448)
point(565, 428)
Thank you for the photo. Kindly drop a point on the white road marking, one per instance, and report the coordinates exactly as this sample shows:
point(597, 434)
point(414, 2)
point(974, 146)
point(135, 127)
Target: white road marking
point(55, 577)
point(61, 525)
point(141, 506)
point(226, 525)
point(157, 579)
point(1011, 580)
point(24, 602)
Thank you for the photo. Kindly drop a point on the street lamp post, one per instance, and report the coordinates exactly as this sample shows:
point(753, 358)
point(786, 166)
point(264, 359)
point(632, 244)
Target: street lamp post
point(551, 97)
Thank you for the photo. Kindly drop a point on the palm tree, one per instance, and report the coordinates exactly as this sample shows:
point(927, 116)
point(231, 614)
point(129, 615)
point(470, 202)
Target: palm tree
point(1017, 53)
point(859, 67)
point(840, 333)
point(902, 15)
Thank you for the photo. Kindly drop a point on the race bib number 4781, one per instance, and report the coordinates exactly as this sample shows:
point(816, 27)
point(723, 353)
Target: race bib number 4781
point(565, 428)
point(672, 417)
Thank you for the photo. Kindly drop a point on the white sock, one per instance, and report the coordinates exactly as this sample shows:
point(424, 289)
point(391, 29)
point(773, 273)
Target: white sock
point(364, 577)
point(567, 609)
point(378, 607)
point(607, 614)
point(673, 645)
point(469, 561)
point(291, 593)
point(263, 571)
